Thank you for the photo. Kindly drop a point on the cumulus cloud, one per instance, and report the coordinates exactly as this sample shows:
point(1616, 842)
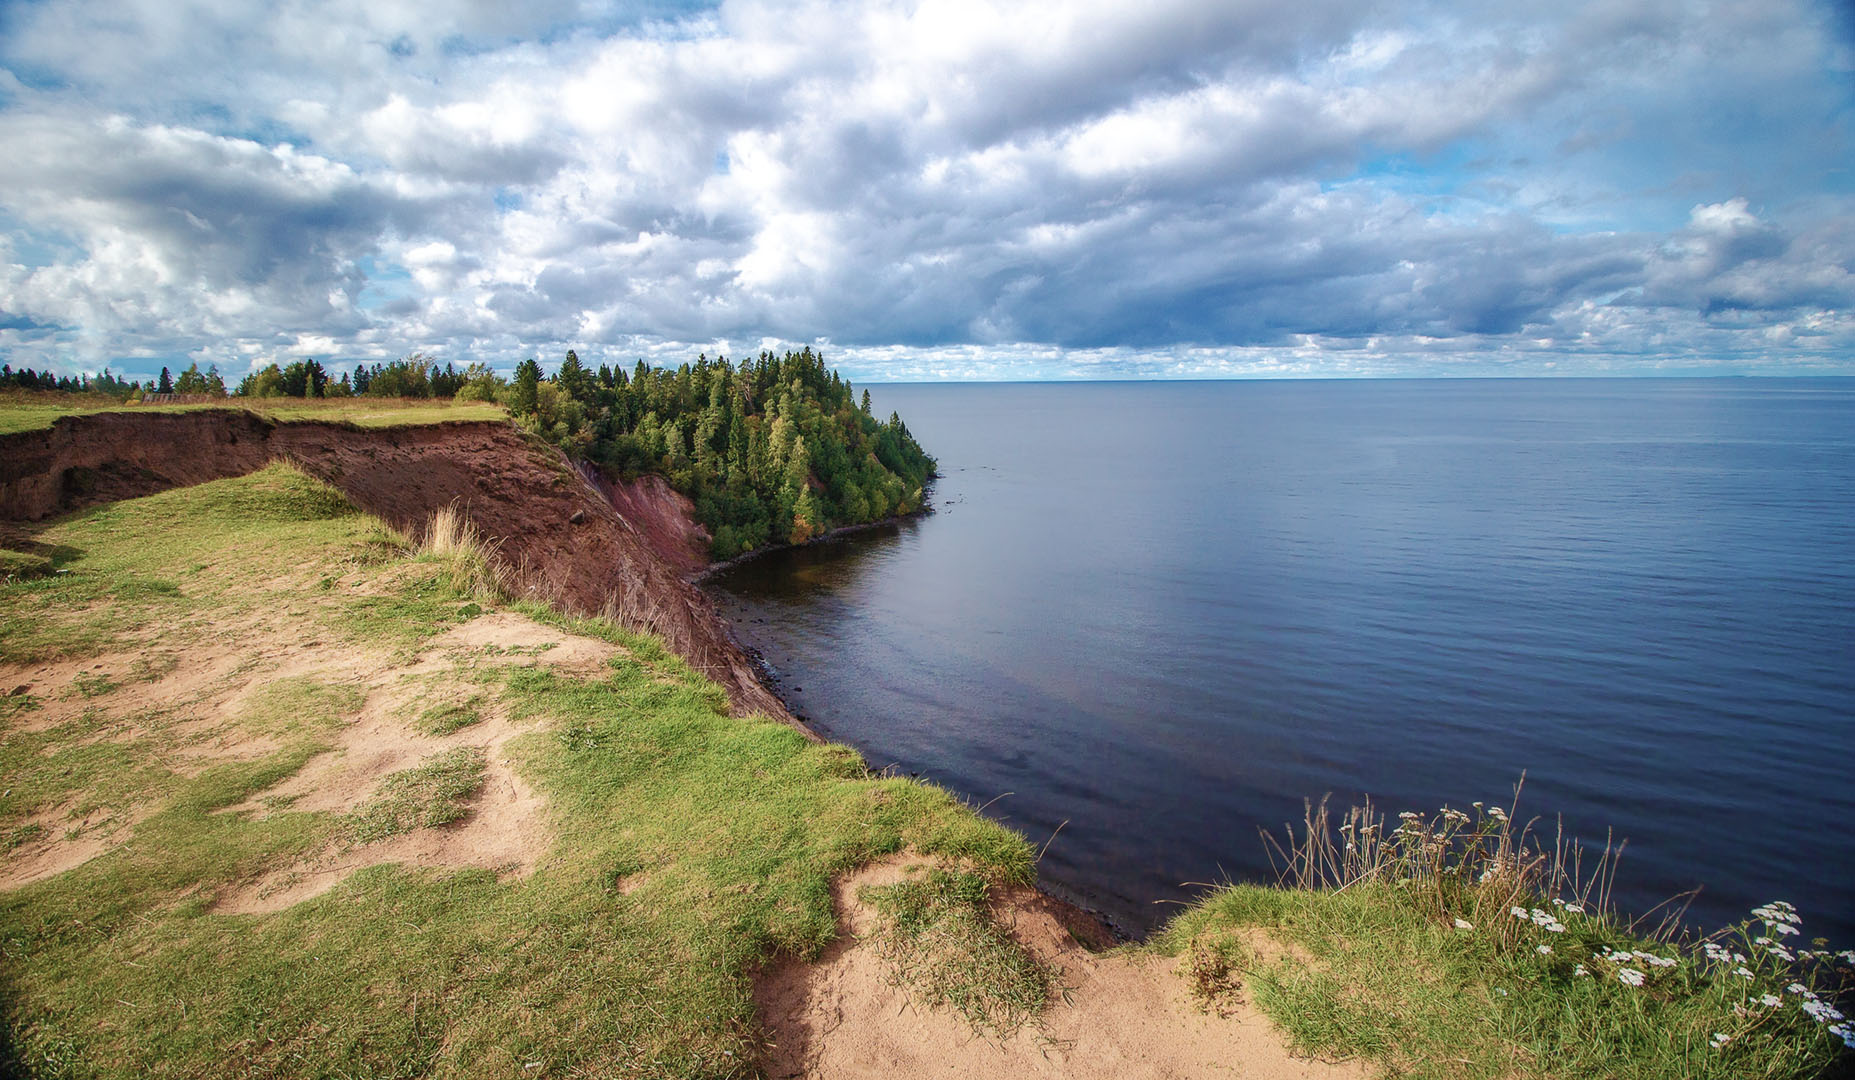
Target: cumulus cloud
point(936, 188)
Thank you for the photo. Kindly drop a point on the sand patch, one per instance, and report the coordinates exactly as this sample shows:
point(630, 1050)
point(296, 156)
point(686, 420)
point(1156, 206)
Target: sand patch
point(61, 841)
point(506, 831)
point(507, 638)
point(1118, 1014)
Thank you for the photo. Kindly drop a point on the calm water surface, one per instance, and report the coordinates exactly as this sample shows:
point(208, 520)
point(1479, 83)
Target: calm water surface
point(1164, 613)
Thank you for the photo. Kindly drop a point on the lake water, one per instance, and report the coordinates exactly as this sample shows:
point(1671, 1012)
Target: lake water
point(1165, 613)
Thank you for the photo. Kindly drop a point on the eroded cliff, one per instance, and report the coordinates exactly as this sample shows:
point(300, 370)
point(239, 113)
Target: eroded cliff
point(585, 547)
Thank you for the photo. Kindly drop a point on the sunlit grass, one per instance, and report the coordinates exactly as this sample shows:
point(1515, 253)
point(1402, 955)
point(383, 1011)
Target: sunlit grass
point(1449, 945)
point(725, 833)
point(20, 411)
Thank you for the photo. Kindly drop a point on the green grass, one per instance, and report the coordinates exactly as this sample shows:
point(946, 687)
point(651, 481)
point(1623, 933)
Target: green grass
point(686, 848)
point(1414, 960)
point(433, 794)
point(31, 412)
point(941, 942)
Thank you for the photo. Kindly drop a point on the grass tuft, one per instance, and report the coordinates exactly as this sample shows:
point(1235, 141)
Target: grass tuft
point(1456, 945)
point(941, 942)
point(433, 794)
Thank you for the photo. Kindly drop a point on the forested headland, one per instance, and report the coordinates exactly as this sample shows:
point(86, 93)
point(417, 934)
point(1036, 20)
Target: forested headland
point(777, 450)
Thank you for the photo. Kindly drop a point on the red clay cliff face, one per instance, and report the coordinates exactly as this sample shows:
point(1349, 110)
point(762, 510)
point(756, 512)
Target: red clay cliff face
point(624, 557)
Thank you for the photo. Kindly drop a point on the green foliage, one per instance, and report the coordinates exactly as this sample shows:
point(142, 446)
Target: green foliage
point(777, 450)
point(1442, 947)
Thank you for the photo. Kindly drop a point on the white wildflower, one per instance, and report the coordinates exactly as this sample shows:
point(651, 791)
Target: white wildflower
point(1742, 972)
point(1543, 950)
point(1497, 813)
point(1784, 928)
point(1575, 909)
point(1796, 988)
point(1630, 976)
point(1768, 1000)
point(1518, 912)
point(1782, 953)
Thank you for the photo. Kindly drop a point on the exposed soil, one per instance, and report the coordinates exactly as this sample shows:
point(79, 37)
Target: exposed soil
point(66, 839)
point(206, 691)
point(1120, 1014)
point(625, 557)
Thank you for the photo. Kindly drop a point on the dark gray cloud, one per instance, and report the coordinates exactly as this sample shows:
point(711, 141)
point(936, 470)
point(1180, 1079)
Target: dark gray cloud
point(935, 189)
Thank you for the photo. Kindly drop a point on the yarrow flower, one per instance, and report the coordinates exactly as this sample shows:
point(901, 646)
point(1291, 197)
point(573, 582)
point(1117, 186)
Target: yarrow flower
point(1518, 912)
point(1497, 813)
point(1768, 1000)
point(1630, 976)
point(1543, 950)
point(1742, 972)
point(1580, 970)
point(1822, 1011)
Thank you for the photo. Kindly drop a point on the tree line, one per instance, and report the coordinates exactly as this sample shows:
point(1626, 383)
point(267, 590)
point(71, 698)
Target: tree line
point(777, 449)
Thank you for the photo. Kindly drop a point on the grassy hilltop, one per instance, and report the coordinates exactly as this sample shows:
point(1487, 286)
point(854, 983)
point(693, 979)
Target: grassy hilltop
point(283, 794)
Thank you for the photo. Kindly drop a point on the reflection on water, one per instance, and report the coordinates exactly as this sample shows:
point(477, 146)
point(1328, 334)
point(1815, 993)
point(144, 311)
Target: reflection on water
point(1164, 614)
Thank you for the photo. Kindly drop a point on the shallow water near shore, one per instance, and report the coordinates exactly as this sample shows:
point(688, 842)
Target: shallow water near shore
point(1159, 615)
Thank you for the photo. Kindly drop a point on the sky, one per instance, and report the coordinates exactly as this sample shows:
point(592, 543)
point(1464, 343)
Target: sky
point(933, 190)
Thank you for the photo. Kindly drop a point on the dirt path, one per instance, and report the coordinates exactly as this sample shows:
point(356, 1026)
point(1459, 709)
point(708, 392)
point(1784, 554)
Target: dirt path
point(1121, 1014)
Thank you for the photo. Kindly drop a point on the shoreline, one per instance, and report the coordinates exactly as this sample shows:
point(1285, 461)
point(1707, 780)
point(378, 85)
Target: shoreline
point(697, 577)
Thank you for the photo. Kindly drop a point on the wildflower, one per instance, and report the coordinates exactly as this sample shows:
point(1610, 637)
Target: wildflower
point(1822, 1012)
point(1769, 1000)
point(1784, 928)
point(1742, 972)
point(1464, 924)
point(1739, 958)
point(1497, 813)
point(1543, 950)
point(1782, 953)
point(1409, 815)
point(1576, 909)
point(1761, 941)
point(1518, 912)
point(1845, 1032)
point(1720, 1039)
point(1580, 970)
point(1796, 988)
point(1630, 976)
point(1847, 956)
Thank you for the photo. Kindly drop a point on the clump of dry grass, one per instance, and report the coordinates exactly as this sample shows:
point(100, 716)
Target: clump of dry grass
point(451, 539)
point(1470, 864)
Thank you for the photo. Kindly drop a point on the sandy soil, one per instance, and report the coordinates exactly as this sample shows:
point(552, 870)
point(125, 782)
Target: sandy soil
point(202, 692)
point(1121, 1014)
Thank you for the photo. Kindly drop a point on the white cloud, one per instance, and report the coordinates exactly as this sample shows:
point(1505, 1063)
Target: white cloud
point(1224, 188)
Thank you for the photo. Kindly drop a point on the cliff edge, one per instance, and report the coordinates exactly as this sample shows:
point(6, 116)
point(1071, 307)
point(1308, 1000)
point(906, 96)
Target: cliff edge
point(584, 547)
